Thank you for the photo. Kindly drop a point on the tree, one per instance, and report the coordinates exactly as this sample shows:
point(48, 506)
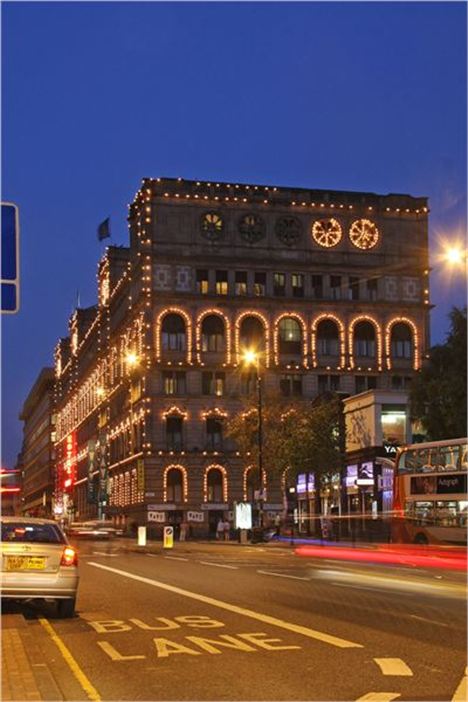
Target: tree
point(438, 393)
point(300, 435)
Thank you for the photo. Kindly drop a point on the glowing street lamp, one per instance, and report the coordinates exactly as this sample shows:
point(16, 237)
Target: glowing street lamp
point(252, 358)
point(131, 359)
point(454, 255)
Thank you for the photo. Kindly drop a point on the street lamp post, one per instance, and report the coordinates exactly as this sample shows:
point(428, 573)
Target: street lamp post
point(253, 358)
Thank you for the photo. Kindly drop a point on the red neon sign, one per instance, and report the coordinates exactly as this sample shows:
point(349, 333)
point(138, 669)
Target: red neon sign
point(69, 464)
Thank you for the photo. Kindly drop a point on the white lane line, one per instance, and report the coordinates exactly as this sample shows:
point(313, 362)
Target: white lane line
point(152, 555)
point(265, 618)
point(379, 697)
point(365, 587)
point(430, 621)
point(175, 558)
point(219, 565)
point(461, 693)
point(103, 553)
point(281, 575)
point(393, 666)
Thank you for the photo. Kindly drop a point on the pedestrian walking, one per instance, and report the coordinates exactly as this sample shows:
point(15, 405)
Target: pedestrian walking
point(227, 530)
point(220, 530)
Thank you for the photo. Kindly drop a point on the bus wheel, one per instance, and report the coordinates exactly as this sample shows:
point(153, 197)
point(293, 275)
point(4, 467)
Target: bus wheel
point(421, 539)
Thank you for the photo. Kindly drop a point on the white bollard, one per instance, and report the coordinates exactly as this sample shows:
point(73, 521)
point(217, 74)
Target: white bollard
point(141, 536)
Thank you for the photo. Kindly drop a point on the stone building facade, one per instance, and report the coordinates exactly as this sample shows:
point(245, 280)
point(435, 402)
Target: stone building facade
point(38, 450)
point(331, 287)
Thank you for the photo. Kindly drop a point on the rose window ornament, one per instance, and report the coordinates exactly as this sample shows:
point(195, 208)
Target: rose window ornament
point(252, 228)
point(212, 225)
point(288, 230)
point(327, 232)
point(364, 234)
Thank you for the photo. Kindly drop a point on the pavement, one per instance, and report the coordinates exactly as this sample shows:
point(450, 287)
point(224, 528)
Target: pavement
point(25, 674)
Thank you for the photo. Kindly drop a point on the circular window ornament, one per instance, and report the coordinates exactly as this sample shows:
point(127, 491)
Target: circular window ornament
point(364, 234)
point(327, 232)
point(288, 230)
point(212, 225)
point(252, 228)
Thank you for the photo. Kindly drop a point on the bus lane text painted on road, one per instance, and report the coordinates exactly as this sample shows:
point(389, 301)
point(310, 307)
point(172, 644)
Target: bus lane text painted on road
point(192, 645)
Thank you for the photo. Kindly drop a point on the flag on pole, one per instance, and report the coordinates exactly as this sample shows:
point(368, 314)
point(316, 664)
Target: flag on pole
point(103, 231)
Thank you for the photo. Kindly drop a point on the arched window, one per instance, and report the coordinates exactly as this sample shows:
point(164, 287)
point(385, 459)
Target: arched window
point(290, 336)
point(364, 340)
point(401, 341)
point(214, 484)
point(173, 333)
point(213, 334)
point(174, 485)
point(328, 342)
point(252, 334)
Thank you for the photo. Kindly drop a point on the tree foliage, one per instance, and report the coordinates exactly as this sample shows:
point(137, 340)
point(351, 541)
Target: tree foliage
point(300, 435)
point(438, 393)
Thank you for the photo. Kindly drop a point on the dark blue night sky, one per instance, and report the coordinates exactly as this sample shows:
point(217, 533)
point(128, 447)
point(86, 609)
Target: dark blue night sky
point(353, 96)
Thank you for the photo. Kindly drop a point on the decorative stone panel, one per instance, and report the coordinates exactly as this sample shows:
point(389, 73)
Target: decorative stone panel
point(183, 281)
point(411, 289)
point(391, 288)
point(162, 277)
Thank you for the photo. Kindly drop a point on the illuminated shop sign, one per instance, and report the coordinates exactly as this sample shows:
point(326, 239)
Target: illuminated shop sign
point(365, 474)
point(243, 515)
point(301, 485)
point(351, 475)
point(305, 483)
point(69, 464)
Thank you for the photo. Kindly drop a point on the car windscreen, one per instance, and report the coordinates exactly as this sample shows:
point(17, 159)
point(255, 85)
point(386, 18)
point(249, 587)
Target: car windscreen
point(24, 532)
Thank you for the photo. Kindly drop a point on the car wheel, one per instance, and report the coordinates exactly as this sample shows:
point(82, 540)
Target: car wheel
point(66, 608)
point(421, 539)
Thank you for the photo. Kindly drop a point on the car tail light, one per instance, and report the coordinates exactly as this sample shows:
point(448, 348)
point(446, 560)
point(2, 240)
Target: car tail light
point(69, 557)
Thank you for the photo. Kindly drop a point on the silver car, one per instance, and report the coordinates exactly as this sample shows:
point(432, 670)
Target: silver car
point(38, 563)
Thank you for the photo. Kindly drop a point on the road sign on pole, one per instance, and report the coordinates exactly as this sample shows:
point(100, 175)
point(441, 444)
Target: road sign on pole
point(10, 258)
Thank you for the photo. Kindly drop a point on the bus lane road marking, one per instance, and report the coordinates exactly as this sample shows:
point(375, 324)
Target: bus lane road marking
point(393, 666)
point(461, 693)
point(193, 645)
point(80, 676)
point(264, 618)
point(379, 697)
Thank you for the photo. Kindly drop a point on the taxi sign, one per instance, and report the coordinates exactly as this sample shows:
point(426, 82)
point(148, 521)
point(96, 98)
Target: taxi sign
point(10, 258)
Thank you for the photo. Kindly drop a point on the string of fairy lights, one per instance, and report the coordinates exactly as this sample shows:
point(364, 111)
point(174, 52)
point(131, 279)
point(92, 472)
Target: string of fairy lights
point(265, 195)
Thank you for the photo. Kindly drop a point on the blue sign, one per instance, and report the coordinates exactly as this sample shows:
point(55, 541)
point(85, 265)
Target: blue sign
point(10, 258)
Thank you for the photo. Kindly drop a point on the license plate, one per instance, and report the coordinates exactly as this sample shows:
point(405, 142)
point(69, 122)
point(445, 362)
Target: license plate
point(25, 563)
